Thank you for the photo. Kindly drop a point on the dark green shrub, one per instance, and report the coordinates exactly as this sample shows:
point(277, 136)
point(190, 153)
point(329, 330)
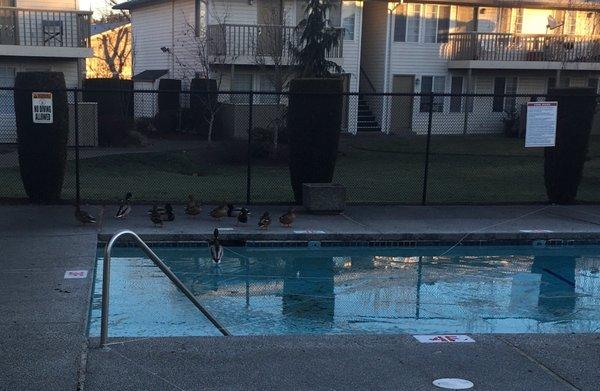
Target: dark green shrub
point(42, 147)
point(563, 163)
point(167, 119)
point(314, 123)
point(203, 104)
point(115, 103)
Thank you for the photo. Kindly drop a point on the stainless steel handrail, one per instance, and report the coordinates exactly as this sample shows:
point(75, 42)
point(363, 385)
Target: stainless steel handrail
point(164, 268)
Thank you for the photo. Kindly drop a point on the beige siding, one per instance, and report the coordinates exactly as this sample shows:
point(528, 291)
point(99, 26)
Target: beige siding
point(49, 4)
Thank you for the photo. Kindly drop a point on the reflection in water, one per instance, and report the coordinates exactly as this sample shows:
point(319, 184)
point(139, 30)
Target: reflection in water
point(355, 290)
point(557, 288)
point(308, 289)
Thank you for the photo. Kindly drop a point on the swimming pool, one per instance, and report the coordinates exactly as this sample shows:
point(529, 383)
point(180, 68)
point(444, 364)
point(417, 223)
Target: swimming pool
point(344, 290)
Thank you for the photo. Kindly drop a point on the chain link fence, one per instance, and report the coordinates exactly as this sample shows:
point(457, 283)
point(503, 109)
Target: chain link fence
point(234, 147)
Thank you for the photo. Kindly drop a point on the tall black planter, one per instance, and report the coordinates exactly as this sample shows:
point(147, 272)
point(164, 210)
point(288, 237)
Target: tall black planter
point(203, 102)
point(563, 163)
point(314, 123)
point(42, 146)
point(168, 104)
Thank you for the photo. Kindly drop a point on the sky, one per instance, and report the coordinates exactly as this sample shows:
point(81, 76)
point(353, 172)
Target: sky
point(92, 5)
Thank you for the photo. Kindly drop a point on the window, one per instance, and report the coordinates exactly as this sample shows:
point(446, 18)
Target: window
point(593, 83)
point(518, 26)
point(335, 13)
point(436, 84)
point(348, 25)
point(434, 19)
point(456, 87)
point(7, 79)
point(241, 82)
point(570, 26)
point(504, 86)
point(266, 85)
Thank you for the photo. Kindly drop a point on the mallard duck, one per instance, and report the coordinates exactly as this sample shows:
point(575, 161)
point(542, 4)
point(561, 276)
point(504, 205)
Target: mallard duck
point(265, 221)
point(232, 211)
point(216, 250)
point(168, 215)
point(124, 208)
point(155, 217)
point(192, 208)
point(287, 218)
point(84, 217)
point(219, 212)
point(243, 216)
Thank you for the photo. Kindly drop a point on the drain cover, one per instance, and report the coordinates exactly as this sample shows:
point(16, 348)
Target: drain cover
point(453, 384)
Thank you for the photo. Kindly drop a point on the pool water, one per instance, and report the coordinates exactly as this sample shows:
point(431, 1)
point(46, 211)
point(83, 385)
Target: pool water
point(344, 290)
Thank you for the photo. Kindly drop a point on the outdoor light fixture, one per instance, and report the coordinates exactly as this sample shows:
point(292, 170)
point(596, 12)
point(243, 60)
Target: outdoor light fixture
point(165, 49)
point(482, 11)
point(250, 2)
point(417, 82)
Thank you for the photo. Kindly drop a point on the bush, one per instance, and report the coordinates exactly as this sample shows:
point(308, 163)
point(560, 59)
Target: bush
point(115, 104)
point(42, 147)
point(314, 123)
point(167, 119)
point(563, 163)
point(203, 103)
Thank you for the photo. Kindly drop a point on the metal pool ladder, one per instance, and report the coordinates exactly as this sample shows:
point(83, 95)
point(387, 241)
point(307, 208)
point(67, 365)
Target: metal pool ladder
point(164, 268)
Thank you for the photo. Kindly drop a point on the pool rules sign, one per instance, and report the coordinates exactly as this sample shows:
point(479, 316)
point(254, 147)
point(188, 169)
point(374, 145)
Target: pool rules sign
point(41, 104)
point(541, 124)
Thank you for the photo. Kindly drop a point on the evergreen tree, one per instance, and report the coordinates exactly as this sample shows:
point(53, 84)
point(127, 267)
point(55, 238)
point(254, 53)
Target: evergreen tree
point(317, 39)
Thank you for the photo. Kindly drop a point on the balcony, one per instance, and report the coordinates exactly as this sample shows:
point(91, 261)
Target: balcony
point(522, 51)
point(239, 43)
point(44, 33)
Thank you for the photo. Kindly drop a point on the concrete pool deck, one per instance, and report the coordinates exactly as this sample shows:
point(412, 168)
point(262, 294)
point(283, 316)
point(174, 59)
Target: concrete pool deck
point(44, 316)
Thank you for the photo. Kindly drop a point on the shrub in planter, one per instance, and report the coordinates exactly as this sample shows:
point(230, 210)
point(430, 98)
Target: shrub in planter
point(203, 104)
point(115, 103)
point(168, 105)
point(42, 147)
point(563, 163)
point(314, 123)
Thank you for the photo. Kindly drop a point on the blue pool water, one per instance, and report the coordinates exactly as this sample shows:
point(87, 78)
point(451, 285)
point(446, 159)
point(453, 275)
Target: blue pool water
point(259, 291)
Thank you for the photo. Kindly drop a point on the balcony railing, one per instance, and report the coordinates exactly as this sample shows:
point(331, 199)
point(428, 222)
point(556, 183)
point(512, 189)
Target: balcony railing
point(239, 40)
point(31, 27)
point(522, 47)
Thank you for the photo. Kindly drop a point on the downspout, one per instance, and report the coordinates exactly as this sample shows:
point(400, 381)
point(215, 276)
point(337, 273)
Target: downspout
point(173, 39)
point(387, 69)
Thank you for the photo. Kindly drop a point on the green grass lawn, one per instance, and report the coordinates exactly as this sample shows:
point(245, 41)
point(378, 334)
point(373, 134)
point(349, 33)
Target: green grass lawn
point(478, 169)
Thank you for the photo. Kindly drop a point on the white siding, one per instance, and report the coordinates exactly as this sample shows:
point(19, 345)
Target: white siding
point(49, 4)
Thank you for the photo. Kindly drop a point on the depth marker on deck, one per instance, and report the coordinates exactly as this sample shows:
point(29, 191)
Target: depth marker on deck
point(453, 383)
point(441, 338)
point(76, 274)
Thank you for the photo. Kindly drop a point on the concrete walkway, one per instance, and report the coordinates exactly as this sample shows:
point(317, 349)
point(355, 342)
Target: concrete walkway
point(44, 316)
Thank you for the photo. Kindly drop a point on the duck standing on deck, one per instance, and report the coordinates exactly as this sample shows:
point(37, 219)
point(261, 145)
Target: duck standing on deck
point(219, 212)
point(168, 215)
point(243, 216)
point(84, 217)
point(192, 208)
point(288, 218)
point(155, 217)
point(216, 250)
point(125, 207)
point(265, 221)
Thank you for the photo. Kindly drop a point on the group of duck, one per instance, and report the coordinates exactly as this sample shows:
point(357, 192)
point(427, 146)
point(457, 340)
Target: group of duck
point(160, 215)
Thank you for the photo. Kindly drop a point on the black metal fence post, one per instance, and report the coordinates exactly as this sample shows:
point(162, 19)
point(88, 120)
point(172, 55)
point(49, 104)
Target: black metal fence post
point(426, 168)
point(76, 113)
point(249, 157)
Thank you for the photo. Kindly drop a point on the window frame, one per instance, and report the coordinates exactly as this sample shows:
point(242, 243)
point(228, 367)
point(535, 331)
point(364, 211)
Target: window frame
point(415, 15)
point(438, 101)
point(501, 103)
point(454, 99)
point(238, 99)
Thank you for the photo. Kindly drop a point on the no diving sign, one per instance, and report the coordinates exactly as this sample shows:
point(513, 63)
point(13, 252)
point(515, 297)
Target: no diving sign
point(443, 338)
point(41, 103)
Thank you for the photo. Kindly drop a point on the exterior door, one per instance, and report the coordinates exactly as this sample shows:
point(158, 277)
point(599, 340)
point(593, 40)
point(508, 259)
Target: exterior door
point(269, 16)
point(8, 23)
point(402, 106)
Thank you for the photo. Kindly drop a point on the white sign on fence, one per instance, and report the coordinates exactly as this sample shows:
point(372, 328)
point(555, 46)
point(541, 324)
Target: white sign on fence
point(443, 338)
point(540, 130)
point(41, 103)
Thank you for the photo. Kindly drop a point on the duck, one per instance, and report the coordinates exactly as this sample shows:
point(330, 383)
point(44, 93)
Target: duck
point(192, 208)
point(265, 221)
point(216, 250)
point(168, 215)
point(288, 218)
point(243, 216)
point(124, 208)
point(155, 217)
point(219, 212)
point(84, 217)
point(232, 211)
